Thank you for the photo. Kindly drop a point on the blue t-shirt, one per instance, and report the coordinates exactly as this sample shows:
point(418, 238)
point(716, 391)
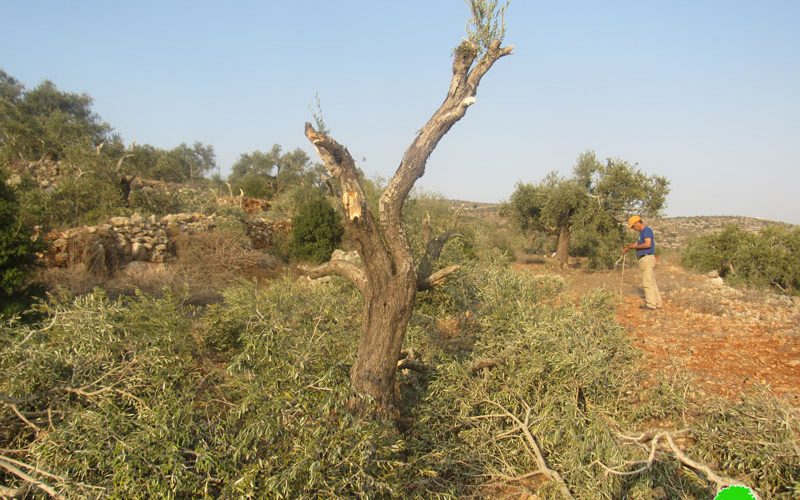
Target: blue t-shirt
point(647, 232)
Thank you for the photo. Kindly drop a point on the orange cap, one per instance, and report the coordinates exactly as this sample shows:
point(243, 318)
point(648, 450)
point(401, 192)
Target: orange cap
point(633, 220)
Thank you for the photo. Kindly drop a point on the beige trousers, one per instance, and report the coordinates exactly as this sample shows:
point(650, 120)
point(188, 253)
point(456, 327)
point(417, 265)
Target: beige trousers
point(652, 297)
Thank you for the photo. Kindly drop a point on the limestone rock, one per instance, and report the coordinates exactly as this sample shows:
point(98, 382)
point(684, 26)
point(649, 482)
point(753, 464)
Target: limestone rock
point(351, 256)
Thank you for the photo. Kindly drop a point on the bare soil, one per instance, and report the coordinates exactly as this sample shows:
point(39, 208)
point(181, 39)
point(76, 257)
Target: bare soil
point(726, 340)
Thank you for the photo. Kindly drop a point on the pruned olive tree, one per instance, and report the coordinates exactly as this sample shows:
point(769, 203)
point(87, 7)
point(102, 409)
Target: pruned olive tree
point(388, 278)
point(549, 207)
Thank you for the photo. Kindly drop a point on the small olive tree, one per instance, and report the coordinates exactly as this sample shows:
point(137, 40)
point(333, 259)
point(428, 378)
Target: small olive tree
point(388, 278)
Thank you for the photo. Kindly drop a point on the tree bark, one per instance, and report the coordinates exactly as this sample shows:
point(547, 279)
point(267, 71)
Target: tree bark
point(388, 304)
point(562, 250)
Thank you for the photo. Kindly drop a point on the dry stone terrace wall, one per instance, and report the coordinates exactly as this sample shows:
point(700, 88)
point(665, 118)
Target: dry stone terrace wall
point(266, 234)
point(45, 173)
point(122, 240)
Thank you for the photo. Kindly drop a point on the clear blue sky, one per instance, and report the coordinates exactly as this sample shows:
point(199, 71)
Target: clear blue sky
point(706, 93)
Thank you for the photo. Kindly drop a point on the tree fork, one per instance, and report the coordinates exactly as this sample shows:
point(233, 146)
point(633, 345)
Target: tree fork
point(389, 280)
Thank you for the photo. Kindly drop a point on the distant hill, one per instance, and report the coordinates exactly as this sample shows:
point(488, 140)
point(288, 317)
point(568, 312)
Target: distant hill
point(674, 232)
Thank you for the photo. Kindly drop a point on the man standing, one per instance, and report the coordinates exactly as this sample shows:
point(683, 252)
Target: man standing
point(646, 253)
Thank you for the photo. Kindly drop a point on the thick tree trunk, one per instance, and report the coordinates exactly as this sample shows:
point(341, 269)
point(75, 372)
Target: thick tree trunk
point(388, 304)
point(562, 250)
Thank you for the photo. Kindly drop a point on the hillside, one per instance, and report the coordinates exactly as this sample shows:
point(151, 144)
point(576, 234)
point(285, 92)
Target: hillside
point(675, 232)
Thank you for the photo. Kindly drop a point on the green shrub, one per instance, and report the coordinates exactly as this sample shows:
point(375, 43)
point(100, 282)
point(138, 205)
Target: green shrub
point(770, 258)
point(88, 198)
point(287, 203)
point(17, 251)
point(145, 398)
point(139, 410)
point(155, 201)
point(255, 186)
point(551, 352)
point(116, 381)
point(316, 230)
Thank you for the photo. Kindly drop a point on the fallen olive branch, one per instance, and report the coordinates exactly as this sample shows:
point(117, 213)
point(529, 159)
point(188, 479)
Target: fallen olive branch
point(654, 441)
point(39, 330)
point(8, 465)
point(528, 438)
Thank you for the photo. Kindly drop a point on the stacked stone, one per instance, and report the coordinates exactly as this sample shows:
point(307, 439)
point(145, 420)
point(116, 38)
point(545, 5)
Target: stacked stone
point(134, 238)
point(267, 234)
point(46, 173)
point(249, 206)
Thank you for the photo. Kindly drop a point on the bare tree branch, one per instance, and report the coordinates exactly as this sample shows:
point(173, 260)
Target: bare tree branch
point(719, 481)
point(27, 422)
point(523, 427)
point(7, 492)
point(426, 278)
point(481, 363)
point(339, 162)
point(460, 96)
point(29, 479)
point(121, 160)
point(491, 56)
point(664, 440)
point(435, 279)
point(413, 364)
point(435, 246)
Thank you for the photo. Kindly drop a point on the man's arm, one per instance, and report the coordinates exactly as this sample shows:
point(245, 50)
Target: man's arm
point(648, 242)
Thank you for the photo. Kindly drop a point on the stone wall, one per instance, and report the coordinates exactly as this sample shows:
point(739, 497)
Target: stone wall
point(268, 234)
point(45, 173)
point(121, 240)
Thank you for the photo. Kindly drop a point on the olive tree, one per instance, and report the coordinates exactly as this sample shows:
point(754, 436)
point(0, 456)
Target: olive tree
point(598, 195)
point(388, 278)
point(549, 207)
point(45, 122)
point(267, 174)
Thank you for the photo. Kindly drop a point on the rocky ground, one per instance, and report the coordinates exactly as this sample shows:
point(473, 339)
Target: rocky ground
point(726, 340)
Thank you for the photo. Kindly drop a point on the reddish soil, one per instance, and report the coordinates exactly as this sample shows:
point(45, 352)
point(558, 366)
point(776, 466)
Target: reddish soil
point(725, 340)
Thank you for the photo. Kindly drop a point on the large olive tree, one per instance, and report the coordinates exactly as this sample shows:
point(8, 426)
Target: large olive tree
point(388, 278)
